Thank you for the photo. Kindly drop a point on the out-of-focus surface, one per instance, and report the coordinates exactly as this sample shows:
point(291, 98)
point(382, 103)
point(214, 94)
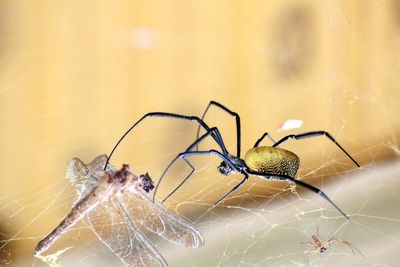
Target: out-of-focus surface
point(75, 75)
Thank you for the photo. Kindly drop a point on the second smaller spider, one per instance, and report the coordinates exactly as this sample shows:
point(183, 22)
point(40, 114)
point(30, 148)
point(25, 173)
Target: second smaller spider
point(321, 246)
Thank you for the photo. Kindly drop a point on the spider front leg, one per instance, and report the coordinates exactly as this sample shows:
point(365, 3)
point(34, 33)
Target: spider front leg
point(212, 131)
point(201, 123)
point(230, 112)
point(314, 134)
point(186, 154)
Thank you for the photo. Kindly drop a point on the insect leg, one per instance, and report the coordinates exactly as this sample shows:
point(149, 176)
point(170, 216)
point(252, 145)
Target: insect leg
point(314, 134)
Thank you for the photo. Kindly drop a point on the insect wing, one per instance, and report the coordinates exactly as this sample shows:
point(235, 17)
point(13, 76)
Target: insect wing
point(160, 221)
point(81, 178)
point(85, 177)
point(120, 234)
point(77, 172)
point(98, 163)
point(80, 174)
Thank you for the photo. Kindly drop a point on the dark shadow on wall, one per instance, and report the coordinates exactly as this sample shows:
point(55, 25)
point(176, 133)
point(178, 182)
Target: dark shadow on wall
point(293, 42)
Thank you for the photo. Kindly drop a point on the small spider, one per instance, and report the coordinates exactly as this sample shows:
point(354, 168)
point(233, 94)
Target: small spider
point(267, 162)
point(321, 246)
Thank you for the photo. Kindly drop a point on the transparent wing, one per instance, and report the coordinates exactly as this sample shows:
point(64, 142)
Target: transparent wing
point(85, 177)
point(98, 163)
point(77, 171)
point(120, 234)
point(160, 221)
point(79, 176)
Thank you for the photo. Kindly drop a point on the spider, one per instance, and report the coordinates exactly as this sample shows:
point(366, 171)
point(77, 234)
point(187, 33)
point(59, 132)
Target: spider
point(270, 163)
point(266, 162)
point(321, 246)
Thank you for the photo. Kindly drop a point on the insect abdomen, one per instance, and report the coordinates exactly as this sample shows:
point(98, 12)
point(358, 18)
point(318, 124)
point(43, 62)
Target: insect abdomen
point(273, 160)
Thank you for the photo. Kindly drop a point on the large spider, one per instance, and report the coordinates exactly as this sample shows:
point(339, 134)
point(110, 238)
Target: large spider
point(268, 162)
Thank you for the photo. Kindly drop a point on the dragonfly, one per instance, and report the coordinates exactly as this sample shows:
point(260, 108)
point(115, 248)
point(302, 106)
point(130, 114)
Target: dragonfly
point(117, 206)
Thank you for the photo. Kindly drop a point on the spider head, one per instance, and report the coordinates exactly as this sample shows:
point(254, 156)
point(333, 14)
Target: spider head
point(235, 165)
point(225, 169)
point(322, 249)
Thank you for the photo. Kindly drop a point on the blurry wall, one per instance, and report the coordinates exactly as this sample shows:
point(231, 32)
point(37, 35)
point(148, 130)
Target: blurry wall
point(75, 74)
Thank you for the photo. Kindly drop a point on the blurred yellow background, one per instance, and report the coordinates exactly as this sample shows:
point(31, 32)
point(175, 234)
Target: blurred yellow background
point(74, 75)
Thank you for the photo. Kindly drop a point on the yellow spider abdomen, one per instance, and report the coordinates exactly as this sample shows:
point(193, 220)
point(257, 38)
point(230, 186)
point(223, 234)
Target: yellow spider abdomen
point(272, 160)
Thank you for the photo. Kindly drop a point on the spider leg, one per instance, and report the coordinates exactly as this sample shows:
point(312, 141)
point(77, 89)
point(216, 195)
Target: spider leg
point(181, 183)
point(350, 245)
point(335, 239)
point(212, 131)
point(185, 154)
point(262, 138)
point(301, 183)
point(236, 187)
point(305, 252)
point(314, 134)
point(309, 243)
point(201, 123)
point(316, 240)
point(232, 113)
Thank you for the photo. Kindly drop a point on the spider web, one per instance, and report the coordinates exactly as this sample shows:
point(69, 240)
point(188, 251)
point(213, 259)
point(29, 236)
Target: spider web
point(262, 224)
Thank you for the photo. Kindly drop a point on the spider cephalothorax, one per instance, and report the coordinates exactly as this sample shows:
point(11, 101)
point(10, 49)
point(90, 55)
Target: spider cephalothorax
point(237, 166)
